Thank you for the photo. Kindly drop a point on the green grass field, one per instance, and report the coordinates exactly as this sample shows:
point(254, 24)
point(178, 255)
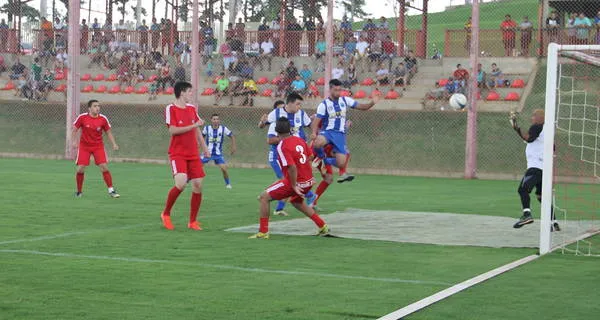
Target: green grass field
point(99, 258)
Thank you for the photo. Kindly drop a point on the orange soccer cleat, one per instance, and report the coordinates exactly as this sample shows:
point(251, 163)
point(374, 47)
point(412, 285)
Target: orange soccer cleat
point(166, 220)
point(194, 226)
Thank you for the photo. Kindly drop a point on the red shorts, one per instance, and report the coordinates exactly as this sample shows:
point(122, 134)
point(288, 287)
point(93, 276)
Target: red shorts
point(282, 189)
point(84, 153)
point(192, 168)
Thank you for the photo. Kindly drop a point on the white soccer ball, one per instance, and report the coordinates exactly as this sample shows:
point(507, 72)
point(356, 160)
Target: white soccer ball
point(458, 101)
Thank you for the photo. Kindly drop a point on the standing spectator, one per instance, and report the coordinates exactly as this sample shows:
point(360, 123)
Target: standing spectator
point(311, 34)
point(153, 90)
point(155, 32)
point(2, 65)
point(266, 53)
point(583, 25)
point(222, 88)
point(349, 48)
point(240, 30)
point(362, 50)
point(553, 27)
point(461, 75)
point(597, 23)
point(186, 52)
point(143, 33)
point(526, 28)
point(298, 86)
point(60, 33)
point(263, 31)
point(305, 73)
point(383, 75)
point(3, 35)
point(571, 30)
point(121, 29)
point(275, 26)
point(293, 35)
point(320, 49)
point(47, 38)
point(468, 30)
point(179, 73)
point(369, 30)
point(83, 42)
point(46, 84)
point(36, 72)
point(389, 50)
point(346, 29)
point(337, 72)
point(209, 42)
point(411, 66)
point(383, 29)
point(508, 27)
point(97, 30)
point(225, 51)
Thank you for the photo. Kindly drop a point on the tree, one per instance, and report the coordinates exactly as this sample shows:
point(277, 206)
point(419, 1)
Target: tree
point(142, 11)
point(11, 9)
point(122, 7)
point(354, 8)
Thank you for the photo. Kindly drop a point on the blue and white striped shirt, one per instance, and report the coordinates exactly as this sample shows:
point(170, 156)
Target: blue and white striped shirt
point(333, 113)
point(215, 137)
point(298, 120)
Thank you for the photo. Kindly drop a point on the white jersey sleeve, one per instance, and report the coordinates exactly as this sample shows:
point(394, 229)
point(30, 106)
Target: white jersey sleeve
point(205, 131)
point(306, 119)
point(351, 102)
point(272, 132)
point(322, 110)
point(271, 117)
point(227, 132)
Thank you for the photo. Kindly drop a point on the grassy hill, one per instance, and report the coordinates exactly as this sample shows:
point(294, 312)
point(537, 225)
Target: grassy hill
point(491, 14)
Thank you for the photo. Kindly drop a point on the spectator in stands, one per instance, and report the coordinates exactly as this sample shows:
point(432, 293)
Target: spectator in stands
point(369, 29)
point(320, 48)
point(142, 29)
point(400, 75)
point(249, 90)
point(362, 50)
point(313, 90)
point(209, 42)
point(383, 75)
point(389, 50)
point(155, 34)
point(349, 48)
point(59, 68)
point(597, 23)
point(571, 30)
point(291, 71)
point(179, 73)
point(153, 90)
point(351, 77)
point(20, 87)
point(411, 66)
point(36, 71)
point(275, 27)
point(496, 77)
point(266, 53)
point(62, 56)
point(583, 25)
point(226, 53)
point(123, 74)
point(439, 93)
point(298, 85)
point(164, 76)
point(2, 65)
point(236, 87)
point(526, 28)
point(311, 34)
point(508, 27)
point(468, 30)
point(452, 86)
point(305, 73)
point(222, 88)
point(240, 30)
point(46, 84)
point(186, 52)
point(480, 76)
point(338, 71)
point(383, 24)
point(263, 31)
point(553, 24)
point(282, 86)
point(83, 41)
point(60, 33)
point(461, 75)
point(3, 35)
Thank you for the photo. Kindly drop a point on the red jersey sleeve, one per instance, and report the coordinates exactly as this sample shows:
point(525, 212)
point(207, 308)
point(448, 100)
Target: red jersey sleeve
point(170, 118)
point(78, 122)
point(106, 125)
point(286, 156)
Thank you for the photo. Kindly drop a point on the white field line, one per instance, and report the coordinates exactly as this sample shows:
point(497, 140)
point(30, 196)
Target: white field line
point(414, 307)
point(226, 267)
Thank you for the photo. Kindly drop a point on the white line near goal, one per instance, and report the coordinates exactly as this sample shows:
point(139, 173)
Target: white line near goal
point(414, 307)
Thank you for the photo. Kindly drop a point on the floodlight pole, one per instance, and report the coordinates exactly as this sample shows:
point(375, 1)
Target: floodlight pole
point(471, 136)
point(195, 53)
point(73, 82)
point(329, 51)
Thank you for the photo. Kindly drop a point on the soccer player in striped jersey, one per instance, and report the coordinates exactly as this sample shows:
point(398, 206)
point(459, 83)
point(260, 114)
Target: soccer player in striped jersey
point(93, 124)
point(331, 113)
point(215, 136)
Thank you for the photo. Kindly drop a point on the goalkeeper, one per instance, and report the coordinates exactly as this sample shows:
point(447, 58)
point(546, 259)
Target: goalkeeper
point(534, 153)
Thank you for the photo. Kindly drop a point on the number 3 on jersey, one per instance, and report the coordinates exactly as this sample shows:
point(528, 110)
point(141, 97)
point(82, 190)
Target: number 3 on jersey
point(300, 149)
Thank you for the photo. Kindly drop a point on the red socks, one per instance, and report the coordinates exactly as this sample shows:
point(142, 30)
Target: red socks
point(171, 197)
point(79, 179)
point(264, 225)
point(343, 169)
point(317, 220)
point(107, 178)
point(320, 189)
point(195, 206)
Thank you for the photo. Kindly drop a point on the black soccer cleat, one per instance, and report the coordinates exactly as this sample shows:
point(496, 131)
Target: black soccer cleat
point(345, 177)
point(78, 194)
point(526, 218)
point(555, 227)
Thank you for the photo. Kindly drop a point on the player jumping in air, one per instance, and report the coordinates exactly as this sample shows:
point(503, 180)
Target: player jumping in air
point(332, 112)
point(535, 162)
point(215, 136)
point(92, 125)
point(294, 158)
point(183, 122)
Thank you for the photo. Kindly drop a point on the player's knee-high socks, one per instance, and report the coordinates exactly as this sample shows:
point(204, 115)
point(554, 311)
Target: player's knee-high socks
point(320, 189)
point(263, 225)
point(343, 169)
point(79, 179)
point(195, 205)
point(171, 198)
point(317, 220)
point(107, 179)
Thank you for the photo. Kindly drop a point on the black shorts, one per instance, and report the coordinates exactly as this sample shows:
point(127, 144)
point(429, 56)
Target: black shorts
point(531, 179)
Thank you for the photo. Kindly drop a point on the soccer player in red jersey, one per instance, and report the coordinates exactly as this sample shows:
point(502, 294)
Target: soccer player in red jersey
point(183, 122)
point(93, 125)
point(294, 155)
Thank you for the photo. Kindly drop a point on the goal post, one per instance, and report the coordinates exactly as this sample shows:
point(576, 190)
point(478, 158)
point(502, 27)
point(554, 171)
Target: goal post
point(584, 55)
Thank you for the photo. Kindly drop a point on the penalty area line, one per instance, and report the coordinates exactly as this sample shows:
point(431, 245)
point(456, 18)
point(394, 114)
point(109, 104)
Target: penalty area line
point(226, 267)
point(414, 307)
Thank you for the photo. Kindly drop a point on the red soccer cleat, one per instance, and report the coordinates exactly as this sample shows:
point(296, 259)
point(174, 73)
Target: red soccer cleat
point(166, 220)
point(194, 226)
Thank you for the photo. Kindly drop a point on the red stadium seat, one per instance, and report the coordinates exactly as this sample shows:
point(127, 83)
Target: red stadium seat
point(142, 90)
point(262, 80)
point(60, 77)
point(276, 80)
point(345, 93)
point(152, 78)
point(392, 94)
point(9, 86)
point(267, 93)
point(360, 94)
point(368, 82)
point(493, 96)
point(115, 89)
point(99, 77)
point(129, 89)
point(86, 77)
point(518, 83)
point(61, 88)
point(208, 91)
point(512, 96)
point(88, 88)
point(101, 89)
point(112, 77)
point(215, 79)
point(375, 93)
point(443, 82)
point(321, 81)
point(169, 90)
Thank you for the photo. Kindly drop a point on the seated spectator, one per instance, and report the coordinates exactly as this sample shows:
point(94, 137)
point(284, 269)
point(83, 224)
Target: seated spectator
point(222, 88)
point(320, 48)
point(236, 87)
point(17, 70)
point(266, 53)
point(480, 76)
point(313, 90)
point(451, 86)
point(290, 72)
point(36, 71)
point(362, 51)
point(2, 65)
point(461, 74)
point(410, 62)
point(136, 75)
point(45, 85)
point(164, 76)
point(25, 86)
point(496, 78)
point(389, 50)
point(179, 73)
point(338, 71)
point(400, 75)
point(305, 73)
point(298, 86)
point(351, 78)
point(282, 86)
point(61, 56)
point(249, 90)
point(123, 74)
point(375, 54)
point(349, 48)
point(383, 75)
point(439, 93)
